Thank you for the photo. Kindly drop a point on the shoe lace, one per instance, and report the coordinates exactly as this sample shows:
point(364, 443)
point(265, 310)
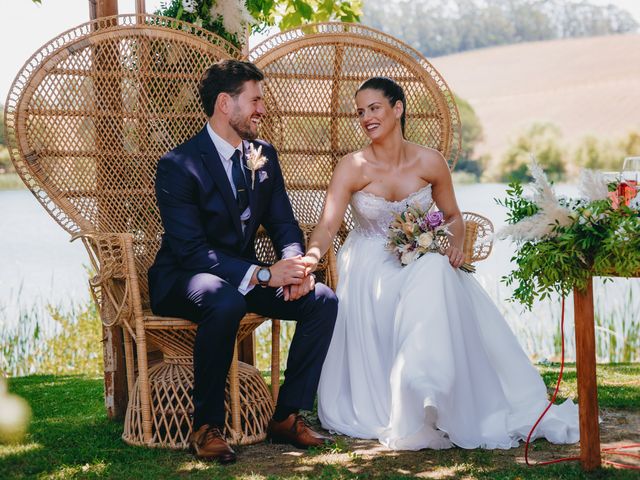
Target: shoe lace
point(213, 433)
point(300, 422)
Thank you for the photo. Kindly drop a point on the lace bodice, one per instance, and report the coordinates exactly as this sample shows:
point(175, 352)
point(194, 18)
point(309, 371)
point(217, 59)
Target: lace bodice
point(372, 214)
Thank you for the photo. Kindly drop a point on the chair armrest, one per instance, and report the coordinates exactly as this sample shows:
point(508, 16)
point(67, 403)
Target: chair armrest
point(326, 269)
point(114, 286)
point(478, 237)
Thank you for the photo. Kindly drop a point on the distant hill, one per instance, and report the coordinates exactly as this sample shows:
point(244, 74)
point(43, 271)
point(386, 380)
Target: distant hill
point(585, 86)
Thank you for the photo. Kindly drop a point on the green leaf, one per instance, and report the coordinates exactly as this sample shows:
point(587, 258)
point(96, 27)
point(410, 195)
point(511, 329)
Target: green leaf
point(305, 10)
point(290, 20)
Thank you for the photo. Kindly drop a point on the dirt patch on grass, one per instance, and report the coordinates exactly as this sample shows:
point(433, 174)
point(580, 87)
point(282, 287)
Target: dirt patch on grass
point(354, 458)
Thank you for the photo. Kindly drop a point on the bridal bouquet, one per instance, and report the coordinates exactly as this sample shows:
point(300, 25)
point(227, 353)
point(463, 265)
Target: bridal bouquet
point(415, 232)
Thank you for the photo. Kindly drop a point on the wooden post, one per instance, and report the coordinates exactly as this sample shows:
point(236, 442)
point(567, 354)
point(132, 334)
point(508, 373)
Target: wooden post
point(115, 375)
point(105, 8)
point(140, 7)
point(586, 370)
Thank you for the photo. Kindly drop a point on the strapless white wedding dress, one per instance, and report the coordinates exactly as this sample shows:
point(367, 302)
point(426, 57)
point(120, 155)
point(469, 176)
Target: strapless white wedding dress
point(420, 355)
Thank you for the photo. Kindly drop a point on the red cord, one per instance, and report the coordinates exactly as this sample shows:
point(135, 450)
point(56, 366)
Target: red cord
point(553, 399)
point(615, 451)
point(605, 451)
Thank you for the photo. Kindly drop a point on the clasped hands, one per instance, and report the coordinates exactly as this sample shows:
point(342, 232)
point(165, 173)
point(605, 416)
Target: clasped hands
point(294, 275)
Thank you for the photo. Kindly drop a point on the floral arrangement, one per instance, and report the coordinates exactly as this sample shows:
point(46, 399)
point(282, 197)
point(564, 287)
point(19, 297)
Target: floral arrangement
point(227, 18)
point(255, 161)
point(562, 242)
point(415, 232)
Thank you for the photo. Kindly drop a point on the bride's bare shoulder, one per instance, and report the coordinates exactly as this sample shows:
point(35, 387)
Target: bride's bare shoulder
point(432, 165)
point(352, 164)
point(350, 171)
point(427, 155)
point(355, 159)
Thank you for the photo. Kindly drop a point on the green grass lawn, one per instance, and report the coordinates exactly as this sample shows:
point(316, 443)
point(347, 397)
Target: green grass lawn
point(70, 437)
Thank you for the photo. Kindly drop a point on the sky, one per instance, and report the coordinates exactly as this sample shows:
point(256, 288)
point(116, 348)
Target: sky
point(31, 26)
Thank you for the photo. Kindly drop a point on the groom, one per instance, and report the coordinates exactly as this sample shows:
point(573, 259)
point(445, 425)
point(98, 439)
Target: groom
point(212, 199)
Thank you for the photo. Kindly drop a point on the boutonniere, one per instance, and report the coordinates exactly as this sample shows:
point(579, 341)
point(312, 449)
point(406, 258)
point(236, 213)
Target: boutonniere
point(255, 161)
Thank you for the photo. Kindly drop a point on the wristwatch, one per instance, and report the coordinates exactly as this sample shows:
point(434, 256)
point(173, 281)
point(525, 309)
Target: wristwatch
point(263, 276)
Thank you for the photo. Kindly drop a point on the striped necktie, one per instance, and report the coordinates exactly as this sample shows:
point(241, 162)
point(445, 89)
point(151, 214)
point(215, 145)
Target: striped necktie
point(242, 194)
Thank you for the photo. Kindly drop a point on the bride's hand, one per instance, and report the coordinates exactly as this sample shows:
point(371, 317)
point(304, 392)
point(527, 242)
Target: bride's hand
point(456, 257)
point(311, 263)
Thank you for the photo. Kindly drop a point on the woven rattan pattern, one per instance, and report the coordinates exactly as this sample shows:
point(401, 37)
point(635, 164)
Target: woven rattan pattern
point(170, 386)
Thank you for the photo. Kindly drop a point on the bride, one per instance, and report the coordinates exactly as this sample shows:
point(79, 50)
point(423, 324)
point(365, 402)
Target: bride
point(420, 356)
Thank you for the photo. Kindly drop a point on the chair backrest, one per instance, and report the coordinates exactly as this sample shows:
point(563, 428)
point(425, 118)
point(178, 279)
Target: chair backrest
point(311, 75)
point(91, 113)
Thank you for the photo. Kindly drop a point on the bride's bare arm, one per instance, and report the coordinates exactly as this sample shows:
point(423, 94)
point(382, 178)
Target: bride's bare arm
point(343, 184)
point(445, 199)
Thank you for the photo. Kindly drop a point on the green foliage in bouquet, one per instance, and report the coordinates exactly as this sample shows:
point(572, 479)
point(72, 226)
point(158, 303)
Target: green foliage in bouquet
point(560, 243)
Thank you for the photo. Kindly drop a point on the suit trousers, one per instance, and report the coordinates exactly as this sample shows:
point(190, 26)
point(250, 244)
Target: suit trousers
point(217, 307)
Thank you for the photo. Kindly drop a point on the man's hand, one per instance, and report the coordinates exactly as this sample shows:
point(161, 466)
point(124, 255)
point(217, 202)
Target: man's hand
point(288, 271)
point(456, 256)
point(294, 292)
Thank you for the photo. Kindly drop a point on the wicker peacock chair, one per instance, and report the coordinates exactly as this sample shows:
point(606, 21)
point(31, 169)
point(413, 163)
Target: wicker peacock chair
point(87, 119)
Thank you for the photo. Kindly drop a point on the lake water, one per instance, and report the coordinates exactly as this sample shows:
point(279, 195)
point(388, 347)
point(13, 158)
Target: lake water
point(38, 265)
point(37, 261)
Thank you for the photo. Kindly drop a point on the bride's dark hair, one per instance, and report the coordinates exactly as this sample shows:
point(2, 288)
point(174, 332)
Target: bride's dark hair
point(391, 90)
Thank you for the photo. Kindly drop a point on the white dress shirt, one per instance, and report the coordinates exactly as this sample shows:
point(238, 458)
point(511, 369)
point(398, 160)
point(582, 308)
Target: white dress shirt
point(226, 151)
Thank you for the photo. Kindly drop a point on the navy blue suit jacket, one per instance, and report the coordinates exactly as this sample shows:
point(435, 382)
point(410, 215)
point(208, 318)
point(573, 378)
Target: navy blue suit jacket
point(201, 219)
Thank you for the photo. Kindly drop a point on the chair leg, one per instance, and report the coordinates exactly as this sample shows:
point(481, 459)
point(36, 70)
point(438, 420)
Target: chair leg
point(275, 360)
point(234, 394)
point(141, 344)
point(143, 382)
point(128, 356)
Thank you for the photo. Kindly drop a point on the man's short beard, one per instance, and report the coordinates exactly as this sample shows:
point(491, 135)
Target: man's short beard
point(242, 129)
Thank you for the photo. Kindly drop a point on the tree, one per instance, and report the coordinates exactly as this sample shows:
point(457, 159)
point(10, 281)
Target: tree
point(299, 12)
point(472, 134)
point(630, 144)
point(596, 154)
point(229, 18)
point(441, 27)
point(5, 159)
point(543, 141)
point(2, 144)
point(606, 154)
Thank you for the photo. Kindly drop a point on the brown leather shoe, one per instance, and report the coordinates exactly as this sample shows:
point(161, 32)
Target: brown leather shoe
point(209, 444)
point(295, 431)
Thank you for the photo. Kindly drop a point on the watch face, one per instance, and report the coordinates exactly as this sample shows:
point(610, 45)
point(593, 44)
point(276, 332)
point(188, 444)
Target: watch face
point(264, 275)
